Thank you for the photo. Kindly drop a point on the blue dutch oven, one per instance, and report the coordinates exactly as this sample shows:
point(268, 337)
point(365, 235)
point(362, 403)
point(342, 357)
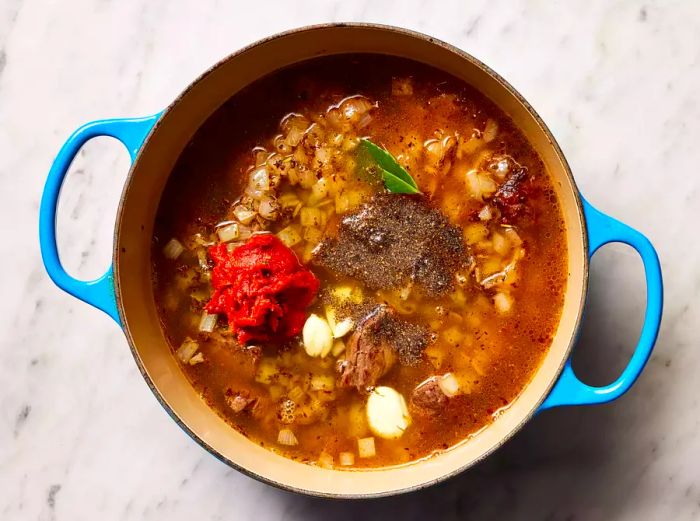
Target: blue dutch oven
point(124, 292)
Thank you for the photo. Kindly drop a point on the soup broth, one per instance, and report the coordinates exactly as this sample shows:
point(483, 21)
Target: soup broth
point(424, 314)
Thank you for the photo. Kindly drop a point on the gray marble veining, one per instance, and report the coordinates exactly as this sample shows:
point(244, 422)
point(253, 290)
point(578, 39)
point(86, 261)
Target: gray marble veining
point(81, 437)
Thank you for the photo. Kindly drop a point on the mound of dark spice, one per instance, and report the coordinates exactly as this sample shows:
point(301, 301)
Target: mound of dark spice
point(394, 239)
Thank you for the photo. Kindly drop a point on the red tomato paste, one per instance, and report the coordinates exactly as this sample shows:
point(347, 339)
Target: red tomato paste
point(262, 288)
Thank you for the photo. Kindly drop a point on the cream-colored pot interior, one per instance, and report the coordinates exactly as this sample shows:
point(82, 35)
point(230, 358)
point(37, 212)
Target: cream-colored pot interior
point(133, 274)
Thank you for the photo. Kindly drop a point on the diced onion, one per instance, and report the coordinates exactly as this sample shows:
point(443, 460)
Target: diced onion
point(228, 233)
point(347, 459)
point(350, 144)
point(238, 402)
point(513, 236)
point(491, 130)
point(260, 179)
point(295, 136)
point(202, 259)
point(243, 214)
point(287, 437)
point(337, 139)
point(448, 385)
point(258, 183)
point(503, 302)
point(500, 244)
point(260, 155)
point(289, 236)
point(281, 145)
point(322, 155)
point(322, 382)
point(480, 184)
point(346, 293)
point(296, 394)
point(453, 335)
point(187, 350)
point(365, 120)
point(254, 194)
point(500, 167)
point(313, 136)
point(317, 336)
point(288, 200)
point(354, 106)
point(485, 213)
point(276, 392)
point(313, 235)
point(325, 460)
point(294, 120)
point(473, 233)
point(267, 371)
point(208, 322)
point(334, 117)
point(173, 249)
point(310, 216)
point(473, 183)
point(197, 359)
point(244, 233)
point(387, 413)
point(348, 200)
point(365, 447)
point(320, 189)
point(297, 209)
point(487, 185)
point(268, 208)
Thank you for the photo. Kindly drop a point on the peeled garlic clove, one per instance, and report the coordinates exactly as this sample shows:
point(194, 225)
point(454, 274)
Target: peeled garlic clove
point(317, 336)
point(343, 327)
point(339, 329)
point(387, 413)
point(330, 317)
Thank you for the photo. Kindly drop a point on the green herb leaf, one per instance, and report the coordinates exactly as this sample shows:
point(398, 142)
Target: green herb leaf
point(395, 184)
point(396, 178)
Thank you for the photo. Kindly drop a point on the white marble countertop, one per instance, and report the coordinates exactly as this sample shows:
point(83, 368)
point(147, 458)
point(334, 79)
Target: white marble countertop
point(81, 436)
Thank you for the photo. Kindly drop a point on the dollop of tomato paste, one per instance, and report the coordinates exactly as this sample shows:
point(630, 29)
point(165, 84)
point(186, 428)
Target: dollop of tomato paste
point(262, 288)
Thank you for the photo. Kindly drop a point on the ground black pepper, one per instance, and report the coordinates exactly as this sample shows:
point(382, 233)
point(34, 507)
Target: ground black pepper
point(393, 240)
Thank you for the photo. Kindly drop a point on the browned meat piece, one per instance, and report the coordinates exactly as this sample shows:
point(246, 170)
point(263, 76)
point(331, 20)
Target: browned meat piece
point(240, 401)
point(428, 398)
point(511, 196)
point(369, 354)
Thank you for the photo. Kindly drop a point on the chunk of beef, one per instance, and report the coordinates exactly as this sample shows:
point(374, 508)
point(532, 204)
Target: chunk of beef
point(369, 354)
point(428, 398)
point(511, 196)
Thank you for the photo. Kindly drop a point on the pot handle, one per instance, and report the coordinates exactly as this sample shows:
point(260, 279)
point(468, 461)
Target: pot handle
point(603, 229)
point(99, 292)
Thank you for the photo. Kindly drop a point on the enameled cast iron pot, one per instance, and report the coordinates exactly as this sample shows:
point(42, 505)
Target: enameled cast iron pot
point(125, 293)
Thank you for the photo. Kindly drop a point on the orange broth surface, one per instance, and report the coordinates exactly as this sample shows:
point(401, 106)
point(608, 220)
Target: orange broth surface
point(489, 333)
